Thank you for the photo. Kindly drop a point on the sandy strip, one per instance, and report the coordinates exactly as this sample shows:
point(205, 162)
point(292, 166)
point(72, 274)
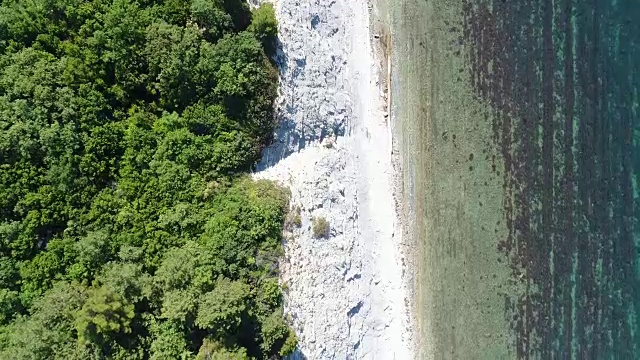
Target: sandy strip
point(346, 294)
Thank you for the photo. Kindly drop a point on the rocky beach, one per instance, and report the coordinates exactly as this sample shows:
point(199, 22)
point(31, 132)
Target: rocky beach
point(346, 289)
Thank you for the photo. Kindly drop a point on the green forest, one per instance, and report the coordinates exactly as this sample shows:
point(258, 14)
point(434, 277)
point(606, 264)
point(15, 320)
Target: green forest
point(128, 226)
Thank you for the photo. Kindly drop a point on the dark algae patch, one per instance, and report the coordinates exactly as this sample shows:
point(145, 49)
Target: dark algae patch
point(521, 118)
point(562, 79)
point(454, 197)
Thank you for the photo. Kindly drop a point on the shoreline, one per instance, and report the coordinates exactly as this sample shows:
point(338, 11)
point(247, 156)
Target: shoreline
point(382, 47)
point(347, 292)
point(453, 190)
point(382, 24)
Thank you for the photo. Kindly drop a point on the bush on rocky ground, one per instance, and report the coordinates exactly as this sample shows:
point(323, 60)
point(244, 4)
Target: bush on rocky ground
point(320, 227)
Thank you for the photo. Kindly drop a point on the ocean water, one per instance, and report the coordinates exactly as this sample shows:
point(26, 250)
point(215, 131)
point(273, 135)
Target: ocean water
point(518, 123)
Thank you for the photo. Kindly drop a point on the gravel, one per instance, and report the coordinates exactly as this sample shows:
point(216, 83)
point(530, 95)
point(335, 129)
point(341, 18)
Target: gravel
point(346, 293)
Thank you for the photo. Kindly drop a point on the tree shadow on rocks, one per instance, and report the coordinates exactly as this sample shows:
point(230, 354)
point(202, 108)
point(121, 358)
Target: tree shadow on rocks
point(292, 134)
point(296, 355)
point(285, 137)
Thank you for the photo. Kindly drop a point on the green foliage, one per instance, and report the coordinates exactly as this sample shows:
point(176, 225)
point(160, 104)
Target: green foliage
point(211, 18)
point(178, 306)
point(127, 227)
point(9, 304)
point(221, 309)
point(211, 350)
point(276, 335)
point(168, 342)
point(49, 331)
point(249, 216)
point(104, 315)
point(263, 22)
point(127, 280)
point(290, 344)
point(320, 227)
point(192, 265)
point(90, 252)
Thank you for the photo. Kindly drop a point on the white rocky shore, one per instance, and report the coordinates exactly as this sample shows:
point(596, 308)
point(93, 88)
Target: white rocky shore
point(346, 293)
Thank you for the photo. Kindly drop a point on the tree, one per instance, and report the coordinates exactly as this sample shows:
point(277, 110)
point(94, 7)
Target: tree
point(90, 253)
point(221, 309)
point(276, 335)
point(263, 22)
point(120, 45)
point(269, 296)
point(127, 280)
point(211, 18)
point(102, 152)
point(9, 304)
point(40, 273)
point(179, 306)
point(128, 227)
point(172, 53)
point(168, 342)
point(239, 59)
point(249, 216)
point(175, 12)
point(212, 350)
point(49, 333)
point(104, 316)
point(192, 265)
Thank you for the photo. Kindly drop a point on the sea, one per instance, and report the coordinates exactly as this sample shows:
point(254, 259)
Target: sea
point(518, 127)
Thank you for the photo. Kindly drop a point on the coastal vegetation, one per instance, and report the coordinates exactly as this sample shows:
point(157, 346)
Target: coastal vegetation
point(127, 227)
point(293, 219)
point(320, 227)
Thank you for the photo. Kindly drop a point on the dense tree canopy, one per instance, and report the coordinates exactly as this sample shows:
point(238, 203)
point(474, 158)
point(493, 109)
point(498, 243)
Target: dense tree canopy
point(127, 230)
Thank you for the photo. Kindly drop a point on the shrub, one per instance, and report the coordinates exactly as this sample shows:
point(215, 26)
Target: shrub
point(320, 227)
point(293, 219)
point(297, 220)
point(264, 23)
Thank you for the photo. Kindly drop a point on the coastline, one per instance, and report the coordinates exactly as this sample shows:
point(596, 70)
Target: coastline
point(347, 293)
point(452, 188)
point(517, 242)
point(404, 241)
